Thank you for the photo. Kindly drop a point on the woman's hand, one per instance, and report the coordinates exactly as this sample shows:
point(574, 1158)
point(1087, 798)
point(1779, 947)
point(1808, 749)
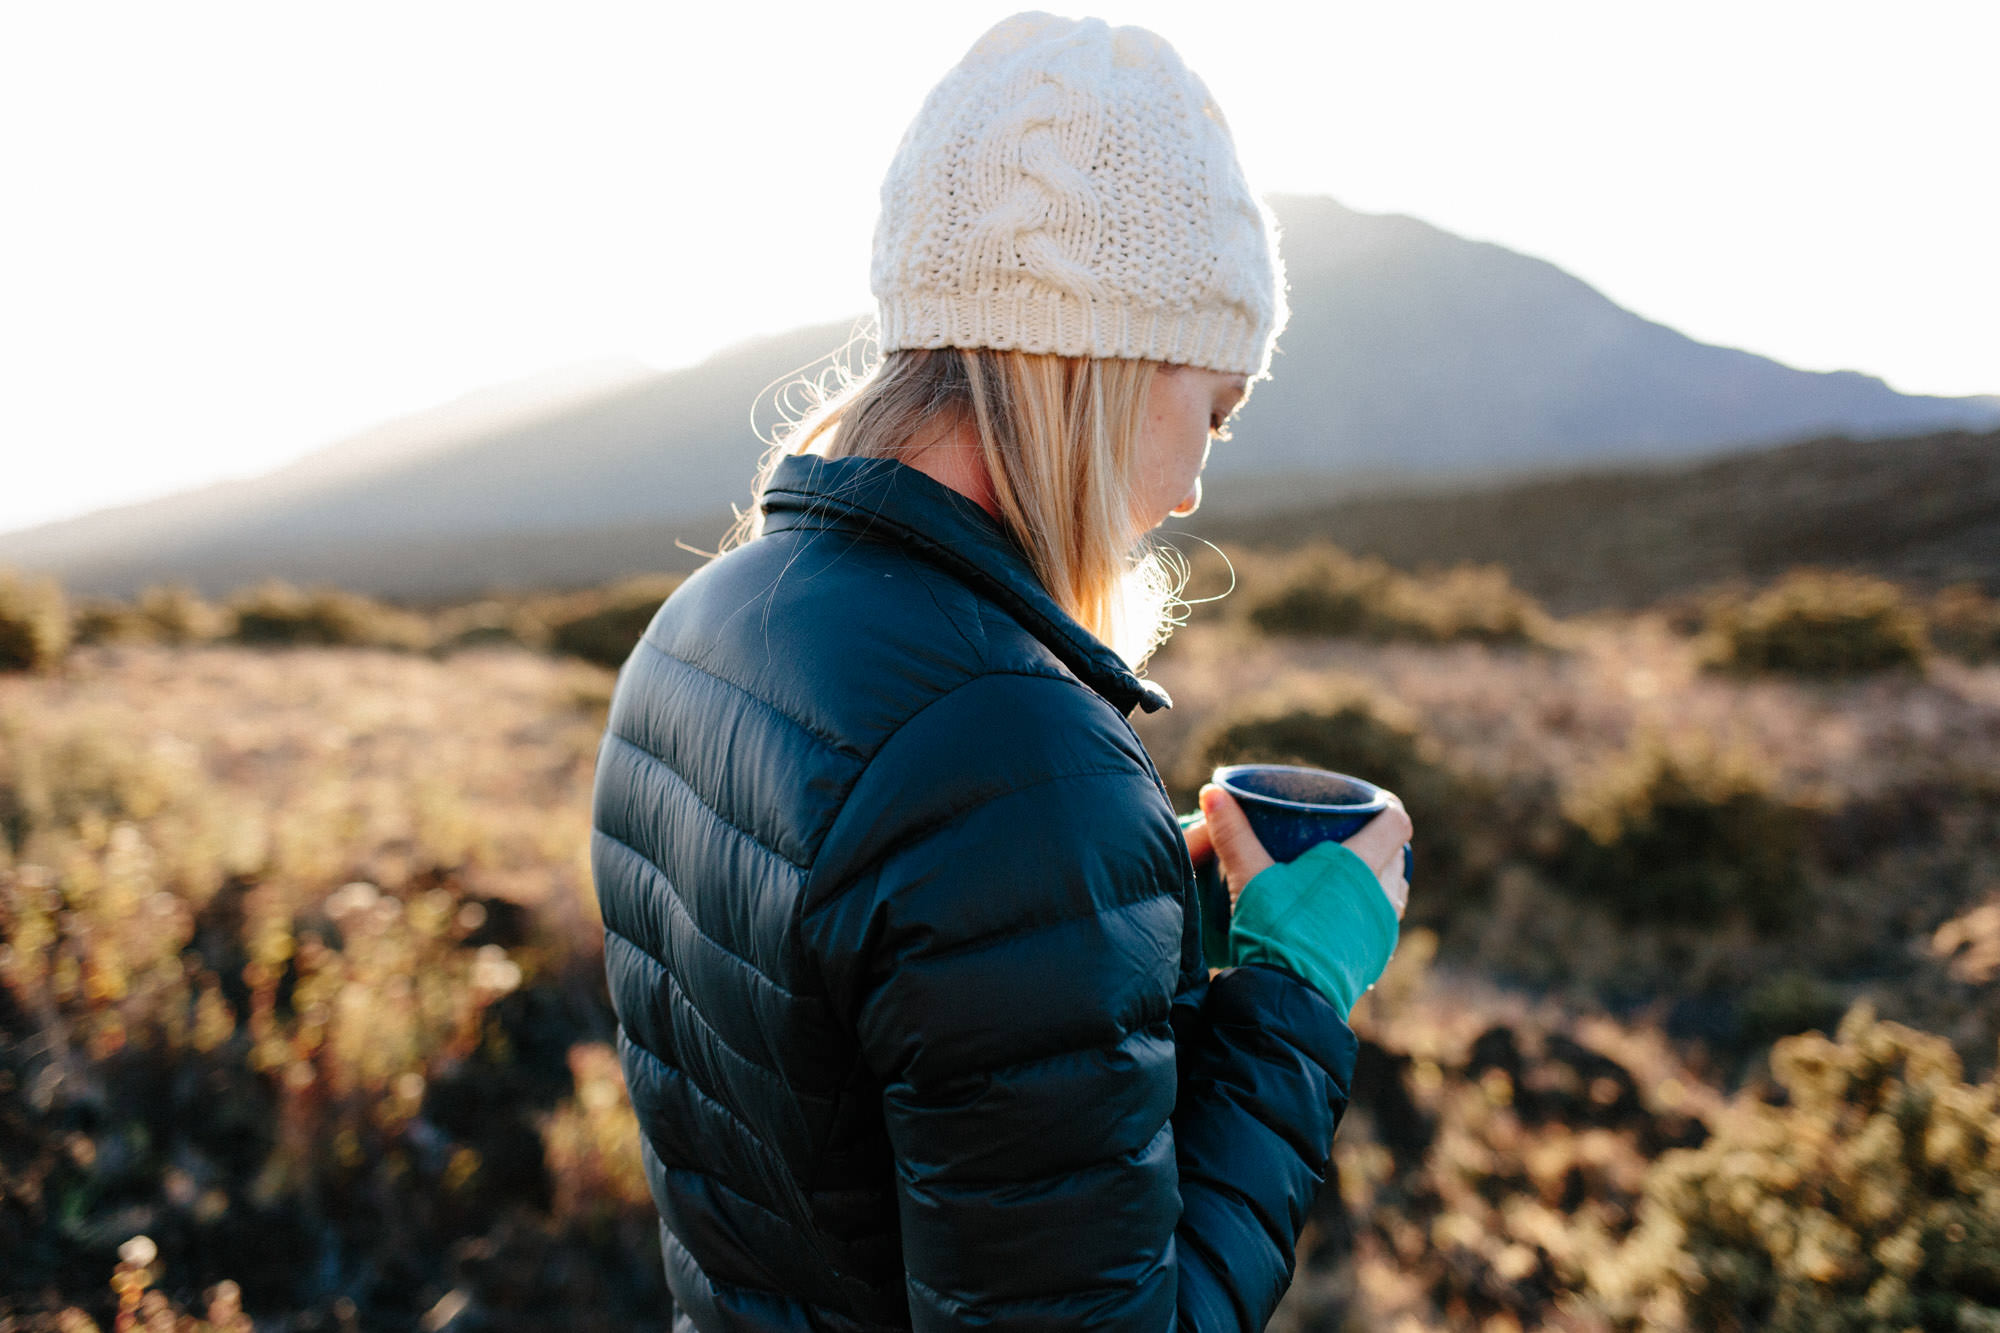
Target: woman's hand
point(1225, 833)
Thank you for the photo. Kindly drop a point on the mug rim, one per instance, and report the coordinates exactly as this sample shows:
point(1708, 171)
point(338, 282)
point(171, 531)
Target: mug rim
point(1224, 777)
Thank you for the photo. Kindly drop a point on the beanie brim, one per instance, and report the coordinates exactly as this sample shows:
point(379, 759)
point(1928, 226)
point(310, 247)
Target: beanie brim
point(1034, 318)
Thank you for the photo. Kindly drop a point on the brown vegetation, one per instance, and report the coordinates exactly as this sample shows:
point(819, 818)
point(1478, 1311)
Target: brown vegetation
point(1759, 851)
point(166, 613)
point(1320, 589)
point(1864, 1199)
point(1919, 511)
point(596, 624)
point(1677, 830)
point(1818, 623)
point(301, 980)
point(302, 984)
point(603, 626)
point(1966, 623)
point(34, 623)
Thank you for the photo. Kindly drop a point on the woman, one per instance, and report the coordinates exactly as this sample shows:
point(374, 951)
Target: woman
point(913, 1005)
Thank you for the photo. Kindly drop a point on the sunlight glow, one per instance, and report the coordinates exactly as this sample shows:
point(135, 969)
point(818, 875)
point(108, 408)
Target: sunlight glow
point(240, 231)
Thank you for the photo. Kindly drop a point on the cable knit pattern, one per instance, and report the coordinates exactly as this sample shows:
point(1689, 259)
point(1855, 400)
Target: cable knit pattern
point(1071, 187)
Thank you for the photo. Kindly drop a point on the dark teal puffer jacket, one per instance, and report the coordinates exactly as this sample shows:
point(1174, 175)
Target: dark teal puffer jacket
point(898, 925)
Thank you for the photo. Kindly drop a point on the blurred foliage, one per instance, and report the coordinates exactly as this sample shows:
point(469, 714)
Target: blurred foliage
point(1321, 589)
point(591, 1141)
point(297, 986)
point(1819, 623)
point(1483, 1168)
point(1918, 510)
point(276, 614)
point(492, 622)
point(34, 623)
point(1867, 1197)
point(596, 624)
point(165, 613)
point(603, 626)
point(141, 1307)
point(1965, 622)
point(360, 1101)
point(1683, 831)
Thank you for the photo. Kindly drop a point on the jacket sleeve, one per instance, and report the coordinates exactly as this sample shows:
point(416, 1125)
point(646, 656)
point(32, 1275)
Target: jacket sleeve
point(1078, 1141)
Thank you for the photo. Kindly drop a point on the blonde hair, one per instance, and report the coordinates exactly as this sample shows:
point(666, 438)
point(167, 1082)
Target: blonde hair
point(1059, 438)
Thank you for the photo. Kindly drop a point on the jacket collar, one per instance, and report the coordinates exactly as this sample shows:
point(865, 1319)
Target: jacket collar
point(892, 501)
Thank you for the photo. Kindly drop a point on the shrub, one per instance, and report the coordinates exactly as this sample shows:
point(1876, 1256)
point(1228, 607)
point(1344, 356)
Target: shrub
point(104, 620)
point(276, 613)
point(591, 1143)
point(167, 613)
point(1966, 623)
point(1336, 723)
point(1865, 1201)
point(1683, 833)
point(141, 1306)
point(34, 623)
point(1484, 1188)
point(272, 1026)
point(604, 625)
point(1471, 602)
point(1817, 623)
point(489, 623)
point(179, 614)
point(1324, 590)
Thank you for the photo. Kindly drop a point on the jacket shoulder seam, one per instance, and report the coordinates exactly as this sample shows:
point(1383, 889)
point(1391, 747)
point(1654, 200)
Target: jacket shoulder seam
point(830, 742)
point(980, 650)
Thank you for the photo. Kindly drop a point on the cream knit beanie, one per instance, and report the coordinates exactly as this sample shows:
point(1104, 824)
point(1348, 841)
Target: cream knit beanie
point(1071, 187)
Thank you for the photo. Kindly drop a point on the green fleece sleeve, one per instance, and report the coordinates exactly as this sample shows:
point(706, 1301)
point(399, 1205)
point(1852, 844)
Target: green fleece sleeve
point(1212, 900)
point(1322, 917)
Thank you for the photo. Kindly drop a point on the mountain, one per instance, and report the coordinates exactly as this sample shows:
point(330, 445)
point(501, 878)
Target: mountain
point(433, 500)
point(1411, 349)
point(1412, 354)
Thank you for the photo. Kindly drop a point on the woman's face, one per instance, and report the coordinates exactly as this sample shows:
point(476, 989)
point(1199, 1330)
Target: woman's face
point(1184, 409)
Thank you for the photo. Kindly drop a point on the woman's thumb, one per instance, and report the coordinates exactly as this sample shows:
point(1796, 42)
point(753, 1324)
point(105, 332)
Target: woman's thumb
point(1236, 847)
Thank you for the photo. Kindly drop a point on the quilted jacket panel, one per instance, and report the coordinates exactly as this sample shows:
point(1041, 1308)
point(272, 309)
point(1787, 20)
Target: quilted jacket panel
point(901, 936)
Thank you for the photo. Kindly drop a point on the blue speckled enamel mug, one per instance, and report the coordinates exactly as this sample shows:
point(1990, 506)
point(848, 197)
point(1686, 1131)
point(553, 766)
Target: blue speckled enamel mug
point(1291, 808)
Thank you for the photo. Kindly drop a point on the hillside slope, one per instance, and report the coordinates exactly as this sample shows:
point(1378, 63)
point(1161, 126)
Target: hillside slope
point(1411, 353)
point(1925, 510)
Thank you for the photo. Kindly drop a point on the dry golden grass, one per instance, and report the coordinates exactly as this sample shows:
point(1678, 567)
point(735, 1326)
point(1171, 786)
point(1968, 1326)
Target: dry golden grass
point(1892, 776)
point(346, 764)
point(296, 948)
point(1520, 715)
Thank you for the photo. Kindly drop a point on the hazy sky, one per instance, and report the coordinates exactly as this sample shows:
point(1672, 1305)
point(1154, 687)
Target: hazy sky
point(235, 232)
